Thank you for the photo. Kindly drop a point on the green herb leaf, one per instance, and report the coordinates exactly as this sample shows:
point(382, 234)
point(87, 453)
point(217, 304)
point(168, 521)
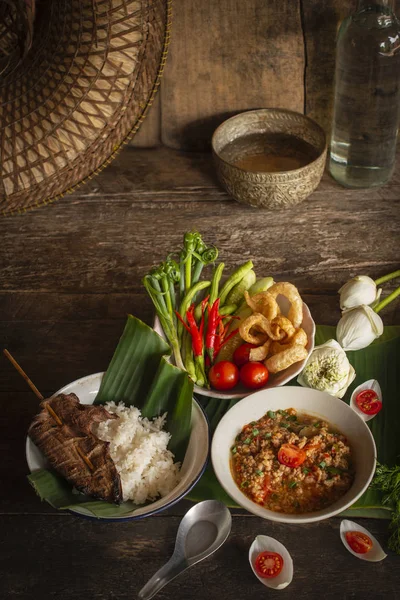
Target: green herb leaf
point(234, 450)
point(247, 441)
point(322, 464)
point(271, 414)
point(293, 484)
point(305, 470)
point(260, 473)
point(268, 435)
point(285, 425)
point(255, 432)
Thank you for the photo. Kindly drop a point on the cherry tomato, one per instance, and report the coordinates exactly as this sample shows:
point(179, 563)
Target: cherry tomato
point(254, 375)
point(368, 402)
point(358, 541)
point(291, 456)
point(241, 356)
point(223, 375)
point(268, 564)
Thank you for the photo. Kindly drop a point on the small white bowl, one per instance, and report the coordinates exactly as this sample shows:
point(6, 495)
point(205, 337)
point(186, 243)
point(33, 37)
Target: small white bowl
point(274, 381)
point(319, 404)
point(192, 468)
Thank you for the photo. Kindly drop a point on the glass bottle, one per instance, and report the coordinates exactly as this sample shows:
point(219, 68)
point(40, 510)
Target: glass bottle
point(367, 96)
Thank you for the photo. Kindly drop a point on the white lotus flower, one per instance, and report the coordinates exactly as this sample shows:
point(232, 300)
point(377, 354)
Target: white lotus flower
point(357, 291)
point(328, 370)
point(358, 328)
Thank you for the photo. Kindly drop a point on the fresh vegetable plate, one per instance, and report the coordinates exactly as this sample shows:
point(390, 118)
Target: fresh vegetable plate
point(275, 380)
point(192, 468)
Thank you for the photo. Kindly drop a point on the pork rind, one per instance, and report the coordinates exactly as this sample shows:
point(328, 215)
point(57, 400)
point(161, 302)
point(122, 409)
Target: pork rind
point(286, 358)
point(256, 329)
point(291, 292)
point(263, 303)
point(299, 337)
point(261, 352)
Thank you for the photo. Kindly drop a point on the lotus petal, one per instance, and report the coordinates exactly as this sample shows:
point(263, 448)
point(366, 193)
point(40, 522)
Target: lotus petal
point(263, 543)
point(371, 384)
point(374, 555)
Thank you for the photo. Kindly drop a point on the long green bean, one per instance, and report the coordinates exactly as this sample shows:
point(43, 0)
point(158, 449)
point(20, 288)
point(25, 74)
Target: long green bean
point(215, 283)
point(188, 299)
point(188, 355)
point(236, 276)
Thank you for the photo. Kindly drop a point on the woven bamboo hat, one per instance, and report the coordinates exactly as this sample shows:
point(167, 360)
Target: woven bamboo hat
point(73, 90)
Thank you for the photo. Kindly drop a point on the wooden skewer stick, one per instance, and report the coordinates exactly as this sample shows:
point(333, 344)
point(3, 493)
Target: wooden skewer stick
point(49, 409)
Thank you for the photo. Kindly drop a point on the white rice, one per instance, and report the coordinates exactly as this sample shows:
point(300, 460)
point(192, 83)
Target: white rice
point(138, 447)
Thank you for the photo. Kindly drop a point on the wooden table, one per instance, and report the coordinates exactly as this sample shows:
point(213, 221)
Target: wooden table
point(69, 275)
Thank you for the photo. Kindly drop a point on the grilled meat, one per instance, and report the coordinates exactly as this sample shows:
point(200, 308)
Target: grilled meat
point(63, 446)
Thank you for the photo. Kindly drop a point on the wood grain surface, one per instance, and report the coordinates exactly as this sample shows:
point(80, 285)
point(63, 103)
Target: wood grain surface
point(226, 57)
point(69, 274)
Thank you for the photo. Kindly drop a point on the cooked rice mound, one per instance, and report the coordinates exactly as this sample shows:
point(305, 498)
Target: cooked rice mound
point(138, 447)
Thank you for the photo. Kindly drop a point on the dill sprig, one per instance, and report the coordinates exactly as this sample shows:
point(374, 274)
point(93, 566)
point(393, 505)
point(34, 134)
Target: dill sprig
point(387, 480)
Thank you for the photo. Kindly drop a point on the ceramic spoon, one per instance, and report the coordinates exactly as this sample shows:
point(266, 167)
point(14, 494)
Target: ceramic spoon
point(201, 532)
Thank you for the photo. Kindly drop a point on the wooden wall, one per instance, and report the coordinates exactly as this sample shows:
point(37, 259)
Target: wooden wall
point(227, 56)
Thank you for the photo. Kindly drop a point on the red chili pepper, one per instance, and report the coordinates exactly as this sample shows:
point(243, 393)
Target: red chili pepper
point(214, 319)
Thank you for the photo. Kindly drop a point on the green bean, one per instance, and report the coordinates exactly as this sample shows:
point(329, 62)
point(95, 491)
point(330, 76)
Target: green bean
point(198, 312)
point(228, 309)
point(236, 276)
point(215, 283)
point(188, 354)
point(187, 300)
point(201, 379)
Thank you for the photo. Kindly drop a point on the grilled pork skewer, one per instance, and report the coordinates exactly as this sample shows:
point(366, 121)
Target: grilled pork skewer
point(62, 431)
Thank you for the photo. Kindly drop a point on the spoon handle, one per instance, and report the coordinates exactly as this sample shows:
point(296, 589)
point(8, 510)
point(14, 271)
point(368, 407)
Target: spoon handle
point(163, 576)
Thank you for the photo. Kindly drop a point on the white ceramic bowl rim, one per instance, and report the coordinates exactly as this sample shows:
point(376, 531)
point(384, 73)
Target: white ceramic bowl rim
point(33, 454)
point(309, 401)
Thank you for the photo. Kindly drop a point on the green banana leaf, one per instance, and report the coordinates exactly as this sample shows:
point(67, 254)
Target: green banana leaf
point(139, 374)
point(379, 361)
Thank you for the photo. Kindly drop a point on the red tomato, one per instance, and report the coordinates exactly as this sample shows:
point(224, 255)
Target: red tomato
point(358, 541)
point(241, 356)
point(368, 402)
point(291, 456)
point(254, 375)
point(268, 564)
point(223, 375)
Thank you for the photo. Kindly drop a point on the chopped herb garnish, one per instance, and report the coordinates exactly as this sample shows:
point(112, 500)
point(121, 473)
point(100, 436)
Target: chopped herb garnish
point(334, 470)
point(237, 438)
point(247, 441)
point(259, 472)
point(282, 412)
point(305, 470)
point(286, 425)
point(292, 418)
point(271, 414)
point(322, 464)
point(234, 450)
point(292, 484)
point(268, 435)
point(244, 484)
point(316, 424)
point(253, 423)
point(255, 432)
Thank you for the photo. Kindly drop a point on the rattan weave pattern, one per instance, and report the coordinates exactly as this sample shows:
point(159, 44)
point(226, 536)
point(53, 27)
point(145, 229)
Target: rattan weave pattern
point(81, 91)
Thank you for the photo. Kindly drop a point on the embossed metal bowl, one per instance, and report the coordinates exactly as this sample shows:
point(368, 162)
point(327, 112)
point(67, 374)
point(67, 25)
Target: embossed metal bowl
point(269, 158)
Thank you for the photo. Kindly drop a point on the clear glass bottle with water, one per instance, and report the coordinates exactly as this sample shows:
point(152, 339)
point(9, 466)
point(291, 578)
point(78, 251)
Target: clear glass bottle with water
point(367, 96)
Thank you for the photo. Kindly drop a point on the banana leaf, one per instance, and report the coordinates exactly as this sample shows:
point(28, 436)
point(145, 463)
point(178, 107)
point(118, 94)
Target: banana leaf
point(379, 361)
point(139, 374)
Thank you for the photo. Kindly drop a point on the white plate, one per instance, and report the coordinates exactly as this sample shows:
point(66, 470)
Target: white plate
point(319, 404)
point(193, 465)
point(274, 380)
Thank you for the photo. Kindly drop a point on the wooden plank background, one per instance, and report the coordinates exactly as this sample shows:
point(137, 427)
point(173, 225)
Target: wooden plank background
point(230, 55)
